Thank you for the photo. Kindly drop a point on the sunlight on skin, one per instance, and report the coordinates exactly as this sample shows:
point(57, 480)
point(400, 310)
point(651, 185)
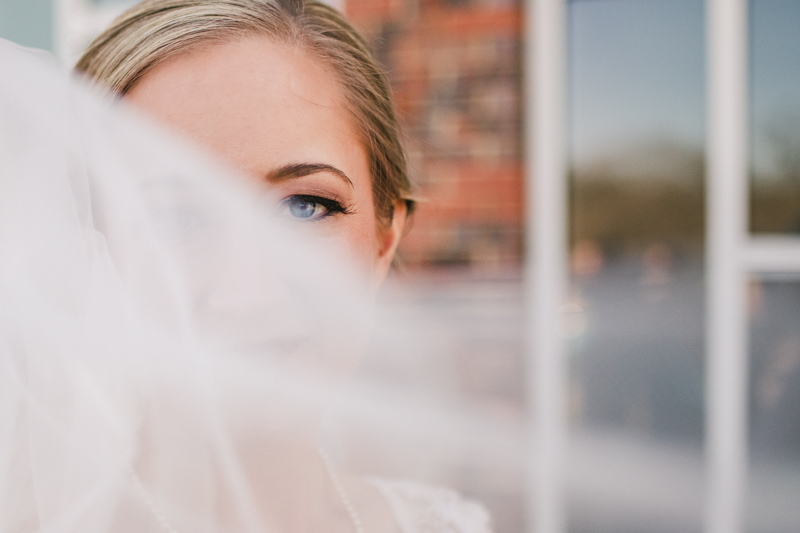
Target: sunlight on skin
point(260, 106)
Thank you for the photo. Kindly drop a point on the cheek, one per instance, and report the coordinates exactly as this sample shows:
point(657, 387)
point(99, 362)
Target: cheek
point(352, 238)
point(356, 234)
point(359, 238)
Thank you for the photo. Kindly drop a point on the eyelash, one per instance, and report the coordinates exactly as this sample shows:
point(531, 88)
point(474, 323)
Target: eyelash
point(333, 207)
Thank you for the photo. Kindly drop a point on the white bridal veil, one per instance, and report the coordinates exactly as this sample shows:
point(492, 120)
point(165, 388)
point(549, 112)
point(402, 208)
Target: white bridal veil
point(173, 355)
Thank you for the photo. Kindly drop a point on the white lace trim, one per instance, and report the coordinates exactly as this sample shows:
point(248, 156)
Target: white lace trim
point(421, 508)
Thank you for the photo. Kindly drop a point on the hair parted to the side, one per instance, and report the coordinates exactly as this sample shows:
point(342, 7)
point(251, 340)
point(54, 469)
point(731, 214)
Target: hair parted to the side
point(156, 30)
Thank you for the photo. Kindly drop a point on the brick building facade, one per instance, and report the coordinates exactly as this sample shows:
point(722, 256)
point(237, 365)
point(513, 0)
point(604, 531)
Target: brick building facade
point(455, 69)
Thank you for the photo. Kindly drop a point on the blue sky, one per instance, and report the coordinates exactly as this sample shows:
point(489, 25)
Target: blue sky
point(636, 74)
point(775, 77)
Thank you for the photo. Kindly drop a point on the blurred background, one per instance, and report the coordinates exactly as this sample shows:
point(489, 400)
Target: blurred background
point(635, 316)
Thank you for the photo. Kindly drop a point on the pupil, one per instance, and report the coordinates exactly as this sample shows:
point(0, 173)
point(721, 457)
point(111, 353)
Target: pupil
point(302, 208)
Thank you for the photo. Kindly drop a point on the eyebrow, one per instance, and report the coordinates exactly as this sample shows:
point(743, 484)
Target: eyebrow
point(298, 170)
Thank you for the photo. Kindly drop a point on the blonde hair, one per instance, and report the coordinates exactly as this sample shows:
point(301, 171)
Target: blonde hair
point(156, 30)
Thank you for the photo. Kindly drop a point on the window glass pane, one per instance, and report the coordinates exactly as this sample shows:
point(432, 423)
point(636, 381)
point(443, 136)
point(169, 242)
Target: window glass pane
point(775, 116)
point(636, 315)
point(27, 22)
point(775, 408)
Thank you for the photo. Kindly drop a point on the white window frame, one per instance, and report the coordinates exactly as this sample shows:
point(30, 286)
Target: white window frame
point(546, 274)
point(733, 257)
point(726, 272)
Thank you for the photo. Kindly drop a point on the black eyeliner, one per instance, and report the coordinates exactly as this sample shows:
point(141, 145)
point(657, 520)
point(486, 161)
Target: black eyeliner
point(333, 207)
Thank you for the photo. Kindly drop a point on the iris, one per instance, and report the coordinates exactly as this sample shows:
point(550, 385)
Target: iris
point(310, 207)
point(303, 208)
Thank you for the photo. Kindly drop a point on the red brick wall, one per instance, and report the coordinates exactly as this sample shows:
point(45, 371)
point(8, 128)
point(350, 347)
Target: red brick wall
point(455, 68)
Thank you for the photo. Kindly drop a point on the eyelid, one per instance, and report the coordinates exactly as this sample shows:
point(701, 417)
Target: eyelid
point(332, 205)
point(309, 186)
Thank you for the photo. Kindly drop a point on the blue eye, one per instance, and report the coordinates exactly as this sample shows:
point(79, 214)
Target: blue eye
point(302, 208)
point(310, 208)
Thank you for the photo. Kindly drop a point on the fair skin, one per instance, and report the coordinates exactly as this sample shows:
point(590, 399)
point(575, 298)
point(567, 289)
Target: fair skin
point(258, 104)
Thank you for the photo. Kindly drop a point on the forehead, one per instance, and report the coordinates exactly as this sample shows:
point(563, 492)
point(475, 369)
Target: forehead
point(254, 98)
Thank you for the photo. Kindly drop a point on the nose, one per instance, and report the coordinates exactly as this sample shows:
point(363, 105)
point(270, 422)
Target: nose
point(249, 298)
point(247, 282)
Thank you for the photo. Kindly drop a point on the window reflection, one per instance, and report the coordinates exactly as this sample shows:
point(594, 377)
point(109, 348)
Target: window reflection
point(774, 407)
point(774, 208)
point(775, 116)
point(637, 161)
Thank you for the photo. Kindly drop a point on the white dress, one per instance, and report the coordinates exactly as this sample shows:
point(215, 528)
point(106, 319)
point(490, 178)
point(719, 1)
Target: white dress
point(421, 508)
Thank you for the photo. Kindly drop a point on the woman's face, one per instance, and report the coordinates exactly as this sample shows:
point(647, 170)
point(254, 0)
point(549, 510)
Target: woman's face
point(277, 114)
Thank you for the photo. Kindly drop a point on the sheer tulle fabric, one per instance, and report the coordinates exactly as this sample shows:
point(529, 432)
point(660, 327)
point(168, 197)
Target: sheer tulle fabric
point(173, 355)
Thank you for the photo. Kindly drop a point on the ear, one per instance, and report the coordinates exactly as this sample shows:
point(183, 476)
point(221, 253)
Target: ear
point(388, 239)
